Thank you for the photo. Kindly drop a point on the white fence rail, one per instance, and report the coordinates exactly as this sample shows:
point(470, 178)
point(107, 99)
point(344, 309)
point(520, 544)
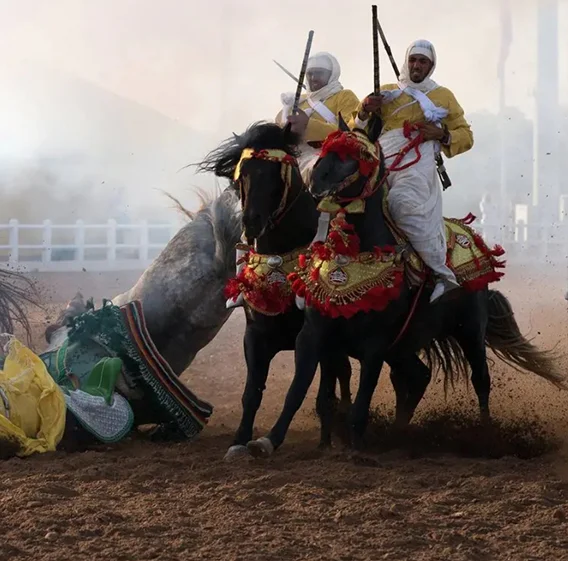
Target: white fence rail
point(81, 246)
point(114, 247)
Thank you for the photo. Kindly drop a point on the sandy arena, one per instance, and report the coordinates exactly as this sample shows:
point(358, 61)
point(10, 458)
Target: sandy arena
point(444, 491)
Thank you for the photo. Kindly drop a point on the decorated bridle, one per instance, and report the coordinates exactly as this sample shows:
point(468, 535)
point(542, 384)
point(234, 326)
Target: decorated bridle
point(355, 145)
point(288, 166)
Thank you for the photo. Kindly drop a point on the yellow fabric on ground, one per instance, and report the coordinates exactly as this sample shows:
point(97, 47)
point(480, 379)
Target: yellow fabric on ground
point(36, 415)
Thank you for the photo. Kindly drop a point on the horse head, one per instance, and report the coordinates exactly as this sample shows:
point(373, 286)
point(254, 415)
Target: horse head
point(57, 330)
point(350, 164)
point(263, 168)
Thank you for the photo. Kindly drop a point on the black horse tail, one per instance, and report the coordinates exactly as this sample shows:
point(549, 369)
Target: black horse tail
point(505, 339)
point(447, 356)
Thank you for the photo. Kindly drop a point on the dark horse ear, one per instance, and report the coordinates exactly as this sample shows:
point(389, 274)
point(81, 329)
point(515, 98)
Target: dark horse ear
point(343, 127)
point(374, 128)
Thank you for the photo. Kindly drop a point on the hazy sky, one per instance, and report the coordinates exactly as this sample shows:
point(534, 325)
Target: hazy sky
point(209, 63)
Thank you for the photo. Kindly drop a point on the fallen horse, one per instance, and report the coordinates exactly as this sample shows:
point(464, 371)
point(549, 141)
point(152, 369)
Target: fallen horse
point(118, 366)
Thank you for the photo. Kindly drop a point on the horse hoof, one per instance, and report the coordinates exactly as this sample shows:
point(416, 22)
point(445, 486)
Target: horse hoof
point(260, 448)
point(236, 452)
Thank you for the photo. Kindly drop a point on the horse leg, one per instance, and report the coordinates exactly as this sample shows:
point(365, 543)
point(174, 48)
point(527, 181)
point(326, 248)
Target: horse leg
point(326, 401)
point(307, 356)
point(471, 337)
point(258, 355)
point(342, 366)
point(410, 378)
point(399, 383)
point(370, 371)
point(476, 355)
point(335, 367)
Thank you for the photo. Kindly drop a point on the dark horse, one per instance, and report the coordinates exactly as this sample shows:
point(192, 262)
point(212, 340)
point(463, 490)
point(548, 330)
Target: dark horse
point(281, 217)
point(473, 320)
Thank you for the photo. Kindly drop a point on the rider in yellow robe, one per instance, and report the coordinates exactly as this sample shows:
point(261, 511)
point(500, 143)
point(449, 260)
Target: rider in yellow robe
point(319, 106)
point(415, 196)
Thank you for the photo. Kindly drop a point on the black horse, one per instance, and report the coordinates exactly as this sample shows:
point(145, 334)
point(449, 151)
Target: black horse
point(278, 219)
point(472, 319)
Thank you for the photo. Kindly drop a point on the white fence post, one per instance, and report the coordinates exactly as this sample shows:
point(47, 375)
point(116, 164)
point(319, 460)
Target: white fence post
point(47, 242)
point(144, 241)
point(14, 242)
point(111, 240)
point(80, 241)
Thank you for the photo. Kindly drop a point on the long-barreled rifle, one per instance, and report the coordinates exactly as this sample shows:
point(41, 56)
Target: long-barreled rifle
point(302, 75)
point(441, 168)
point(376, 61)
point(376, 122)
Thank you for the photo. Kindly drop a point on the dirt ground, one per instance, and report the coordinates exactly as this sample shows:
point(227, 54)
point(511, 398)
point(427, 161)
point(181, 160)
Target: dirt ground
point(446, 490)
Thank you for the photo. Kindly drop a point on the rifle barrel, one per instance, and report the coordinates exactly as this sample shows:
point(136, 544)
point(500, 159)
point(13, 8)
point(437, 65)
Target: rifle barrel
point(376, 62)
point(302, 75)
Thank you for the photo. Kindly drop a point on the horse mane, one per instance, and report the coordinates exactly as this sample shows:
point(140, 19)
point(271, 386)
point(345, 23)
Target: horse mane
point(261, 135)
point(16, 293)
point(224, 214)
point(220, 209)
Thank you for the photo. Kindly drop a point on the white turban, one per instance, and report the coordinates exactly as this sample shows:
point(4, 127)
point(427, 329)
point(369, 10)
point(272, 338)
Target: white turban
point(327, 62)
point(418, 91)
point(321, 60)
point(425, 48)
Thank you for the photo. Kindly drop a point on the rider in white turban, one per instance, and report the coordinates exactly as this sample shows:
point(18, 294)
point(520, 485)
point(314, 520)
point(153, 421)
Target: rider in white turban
point(319, 106)
point(415, 196)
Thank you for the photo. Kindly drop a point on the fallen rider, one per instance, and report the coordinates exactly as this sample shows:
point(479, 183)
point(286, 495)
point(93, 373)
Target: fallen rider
point(104, 379)
point(34, 410)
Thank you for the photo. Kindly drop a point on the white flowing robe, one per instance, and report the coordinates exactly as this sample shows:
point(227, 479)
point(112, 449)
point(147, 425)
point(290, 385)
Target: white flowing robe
point(415, 200)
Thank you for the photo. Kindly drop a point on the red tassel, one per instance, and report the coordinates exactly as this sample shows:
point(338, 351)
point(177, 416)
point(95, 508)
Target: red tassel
point(498, 251)
point(482, 282)
point(302, 261)
point(376, 299)
point(232, 289)
point(322, 251)
point(297, 286)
